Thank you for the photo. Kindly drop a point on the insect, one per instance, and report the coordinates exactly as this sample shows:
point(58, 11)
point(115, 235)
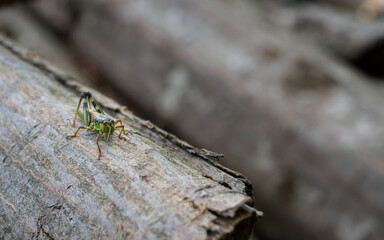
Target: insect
point(95, 120)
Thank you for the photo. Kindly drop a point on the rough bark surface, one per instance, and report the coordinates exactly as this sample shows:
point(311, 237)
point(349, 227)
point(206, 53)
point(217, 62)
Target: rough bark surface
point(305, 128)
point(150, 185)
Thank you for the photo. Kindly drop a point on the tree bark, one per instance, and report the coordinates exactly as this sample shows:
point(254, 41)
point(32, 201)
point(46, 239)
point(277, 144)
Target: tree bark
point(304, 127)
point(150, 185)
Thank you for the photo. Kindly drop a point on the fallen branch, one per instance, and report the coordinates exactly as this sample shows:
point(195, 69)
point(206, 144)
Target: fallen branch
point(305, 128)
point(144, 186)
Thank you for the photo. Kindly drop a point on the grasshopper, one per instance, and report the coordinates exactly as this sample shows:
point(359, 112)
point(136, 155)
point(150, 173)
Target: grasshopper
point(95, 120)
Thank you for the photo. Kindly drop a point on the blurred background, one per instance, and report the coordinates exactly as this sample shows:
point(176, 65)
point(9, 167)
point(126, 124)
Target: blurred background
point(291, 91)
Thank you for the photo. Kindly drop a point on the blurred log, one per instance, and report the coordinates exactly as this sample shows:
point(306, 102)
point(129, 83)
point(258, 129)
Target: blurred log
point(19, 25)
point(9, 2)
point(342, 4)
point(306, 129)
point(148, 186)
point(349, 33)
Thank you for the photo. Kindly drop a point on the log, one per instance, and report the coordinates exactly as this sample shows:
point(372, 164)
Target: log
point(305, 128)
point(149, 185)
point(10, 2)
point(342, 31)
point(342, 4)
point(19, 25)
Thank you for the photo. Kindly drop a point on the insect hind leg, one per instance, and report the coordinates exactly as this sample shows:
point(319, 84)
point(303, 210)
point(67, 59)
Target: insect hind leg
point(84, 96)
point(94, 103)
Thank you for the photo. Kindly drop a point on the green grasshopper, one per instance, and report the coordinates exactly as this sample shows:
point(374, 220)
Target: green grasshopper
point(95, 120)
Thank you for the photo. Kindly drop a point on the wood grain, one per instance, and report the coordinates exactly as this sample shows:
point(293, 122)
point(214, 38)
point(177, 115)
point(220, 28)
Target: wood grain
point(144, 187)
point(304, 127)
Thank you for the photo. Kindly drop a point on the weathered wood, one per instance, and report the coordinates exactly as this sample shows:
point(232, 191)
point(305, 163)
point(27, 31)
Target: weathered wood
point(148, 186)
point(305, 128)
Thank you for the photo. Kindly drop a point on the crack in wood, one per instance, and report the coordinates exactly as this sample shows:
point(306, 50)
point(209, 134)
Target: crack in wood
point(40, 229)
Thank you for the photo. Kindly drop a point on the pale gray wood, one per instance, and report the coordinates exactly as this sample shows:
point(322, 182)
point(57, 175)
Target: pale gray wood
point(304, 127)
point(150, 185)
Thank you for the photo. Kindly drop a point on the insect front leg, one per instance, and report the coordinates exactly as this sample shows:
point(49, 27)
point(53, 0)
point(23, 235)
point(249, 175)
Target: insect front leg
point(122, 128)
point(118, 121)
point(72, 136)
point(122, 131)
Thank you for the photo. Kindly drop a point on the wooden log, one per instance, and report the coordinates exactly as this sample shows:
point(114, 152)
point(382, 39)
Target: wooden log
point(341, 31)
point(341, 4)
point(150, 185)
point(19, 25)
point(10, 2)
point(305, 128)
